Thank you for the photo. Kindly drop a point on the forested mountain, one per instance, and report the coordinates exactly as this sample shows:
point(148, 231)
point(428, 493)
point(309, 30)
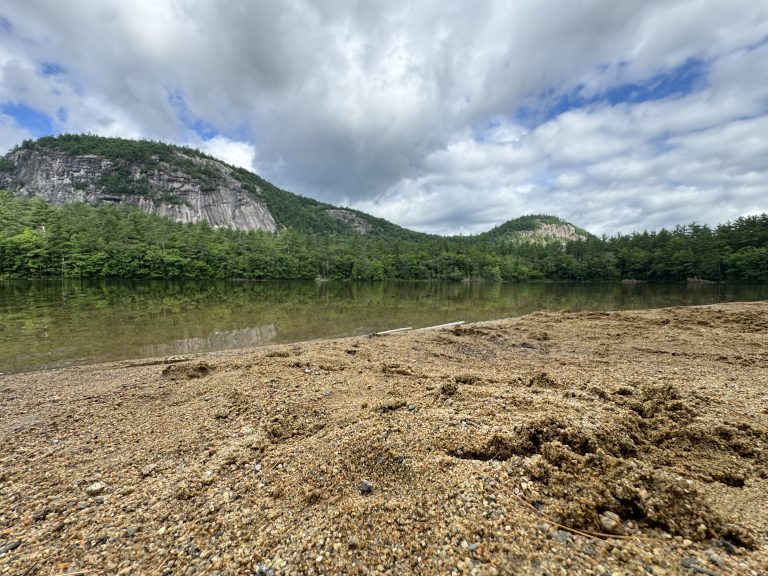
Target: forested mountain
point(85, 206)
point(179, 183)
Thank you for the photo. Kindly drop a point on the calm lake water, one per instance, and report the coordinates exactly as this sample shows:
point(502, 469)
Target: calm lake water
point(55, 323)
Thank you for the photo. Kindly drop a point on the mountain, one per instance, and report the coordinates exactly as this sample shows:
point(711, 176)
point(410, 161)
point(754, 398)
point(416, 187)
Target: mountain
point(186, 185)
point(536, 227)
point(179, 183)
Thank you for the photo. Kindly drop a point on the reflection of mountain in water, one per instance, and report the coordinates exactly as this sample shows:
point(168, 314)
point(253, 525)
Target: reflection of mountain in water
point(215, 341)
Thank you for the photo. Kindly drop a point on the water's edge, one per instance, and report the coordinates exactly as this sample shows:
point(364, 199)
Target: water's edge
point(46, 324)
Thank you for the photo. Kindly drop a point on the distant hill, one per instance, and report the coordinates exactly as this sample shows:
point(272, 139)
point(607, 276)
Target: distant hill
point(186, 185)
point(536, 227)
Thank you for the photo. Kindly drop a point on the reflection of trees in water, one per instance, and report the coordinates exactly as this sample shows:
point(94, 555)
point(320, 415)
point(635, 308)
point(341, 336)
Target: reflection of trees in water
point(42, 321)
point(215, 341)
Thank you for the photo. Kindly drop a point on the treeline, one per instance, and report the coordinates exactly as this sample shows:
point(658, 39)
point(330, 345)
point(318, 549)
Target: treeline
point(82, 241)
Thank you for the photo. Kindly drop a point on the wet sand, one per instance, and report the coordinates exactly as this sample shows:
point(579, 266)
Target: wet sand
point(559, 443)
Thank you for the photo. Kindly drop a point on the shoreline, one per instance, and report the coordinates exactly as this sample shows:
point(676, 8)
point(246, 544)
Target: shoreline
point(160, 359)
point(414, 452)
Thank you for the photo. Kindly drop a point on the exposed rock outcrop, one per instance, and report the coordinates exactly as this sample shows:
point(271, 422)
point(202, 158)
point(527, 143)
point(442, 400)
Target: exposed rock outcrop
point(548, 231)
point(358, 224)
point(159, 187)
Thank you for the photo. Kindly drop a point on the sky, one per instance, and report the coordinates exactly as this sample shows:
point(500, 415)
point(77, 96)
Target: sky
point(443, 117)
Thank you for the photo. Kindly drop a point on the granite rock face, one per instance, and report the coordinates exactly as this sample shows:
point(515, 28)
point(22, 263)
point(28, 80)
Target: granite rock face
point(562, 231)
point(161, 188)
point(358, 224)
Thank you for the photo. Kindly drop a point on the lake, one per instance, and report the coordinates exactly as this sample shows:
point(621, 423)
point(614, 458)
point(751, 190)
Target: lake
point(56, 323)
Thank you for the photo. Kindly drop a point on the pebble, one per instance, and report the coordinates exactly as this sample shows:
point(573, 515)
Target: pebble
point(10, 547)
point(611, 523)
point(95, 489)
point(365, 487)
point(264, 570)
point(714, 558)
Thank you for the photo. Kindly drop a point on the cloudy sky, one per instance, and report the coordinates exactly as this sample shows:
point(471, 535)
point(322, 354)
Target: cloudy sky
point(447, 117)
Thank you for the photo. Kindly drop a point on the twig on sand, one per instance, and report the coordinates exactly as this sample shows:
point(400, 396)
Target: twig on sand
point(585, 533)
point(440, 326)
point(395, 331)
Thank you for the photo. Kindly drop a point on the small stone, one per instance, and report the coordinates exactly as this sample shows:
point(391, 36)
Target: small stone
point(95, 489)
point(10, 547)
point(611, 523)
point(365, 487)
point(148, 470)
point(411, 407)
point(714, 558)
point(562, 536)
point(264, 570)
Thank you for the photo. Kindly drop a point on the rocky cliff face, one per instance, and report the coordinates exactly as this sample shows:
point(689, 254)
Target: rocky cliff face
point(158, 187)
point(549, 231)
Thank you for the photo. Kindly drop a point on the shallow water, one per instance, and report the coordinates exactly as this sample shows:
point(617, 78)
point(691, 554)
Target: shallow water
point(55, 323)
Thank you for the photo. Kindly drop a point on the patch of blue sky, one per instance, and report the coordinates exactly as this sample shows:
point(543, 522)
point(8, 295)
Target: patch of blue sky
point(51, 69)
point(690, 76)
point(203, 129)
point(33, 121)
point(480, 133)
point(5, 25)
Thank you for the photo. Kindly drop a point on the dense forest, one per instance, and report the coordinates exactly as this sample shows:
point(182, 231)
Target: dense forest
point(82, 241)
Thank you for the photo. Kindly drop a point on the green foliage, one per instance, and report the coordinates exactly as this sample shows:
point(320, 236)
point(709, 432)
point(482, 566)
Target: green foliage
point(6, 165)
point(79, 240)
point(118, 150)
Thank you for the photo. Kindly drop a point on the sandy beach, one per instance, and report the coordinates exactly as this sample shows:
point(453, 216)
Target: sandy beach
point(558, 443)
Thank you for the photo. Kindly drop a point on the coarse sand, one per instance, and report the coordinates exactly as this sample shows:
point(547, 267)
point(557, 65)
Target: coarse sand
point(558, 443)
